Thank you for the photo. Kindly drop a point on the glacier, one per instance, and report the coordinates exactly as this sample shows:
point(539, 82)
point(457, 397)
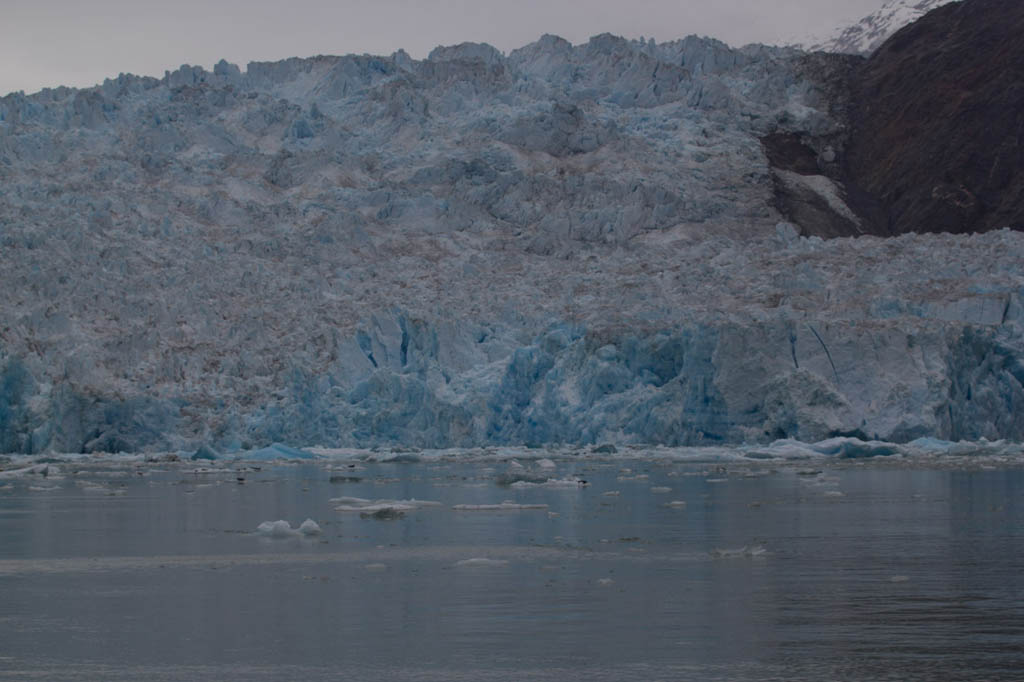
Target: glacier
point(568, 244)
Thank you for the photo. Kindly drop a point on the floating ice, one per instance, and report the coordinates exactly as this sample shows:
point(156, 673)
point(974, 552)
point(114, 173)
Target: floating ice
point(676, 504)
point(276, 529)
point(552, 483)
point(481, 562)
point(44, 470)
point(504, 506)
point(660, 489)
point(364, 506)
point(282, 529)
point(750, 551)
point(545, 464)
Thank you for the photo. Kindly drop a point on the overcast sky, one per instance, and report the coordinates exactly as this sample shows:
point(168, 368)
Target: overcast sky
point(45, 43)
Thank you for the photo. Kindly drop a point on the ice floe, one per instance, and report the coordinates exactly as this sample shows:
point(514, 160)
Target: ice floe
point(504, 506)
point(282, 529)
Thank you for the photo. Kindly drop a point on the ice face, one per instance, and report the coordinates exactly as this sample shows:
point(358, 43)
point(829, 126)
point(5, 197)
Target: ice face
point(567, 244)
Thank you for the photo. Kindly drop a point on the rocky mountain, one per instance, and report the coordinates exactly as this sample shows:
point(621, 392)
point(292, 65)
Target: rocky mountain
point(565, 244)
point(938, 121)
point(865, 36)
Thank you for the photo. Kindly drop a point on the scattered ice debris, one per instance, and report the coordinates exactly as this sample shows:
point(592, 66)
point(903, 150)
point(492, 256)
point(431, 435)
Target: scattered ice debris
point(504, 506)
point(205, 452)
point(480, 562)
point(660, 489)
point(283, 529)
point(749, 551)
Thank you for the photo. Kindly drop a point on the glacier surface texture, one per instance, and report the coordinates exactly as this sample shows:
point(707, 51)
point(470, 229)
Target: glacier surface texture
point(565, 244)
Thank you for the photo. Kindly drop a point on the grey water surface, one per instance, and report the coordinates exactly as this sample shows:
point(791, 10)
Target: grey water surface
point(850, 573)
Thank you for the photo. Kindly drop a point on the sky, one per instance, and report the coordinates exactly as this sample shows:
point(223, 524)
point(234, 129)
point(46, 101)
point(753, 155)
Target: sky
point(46, 43)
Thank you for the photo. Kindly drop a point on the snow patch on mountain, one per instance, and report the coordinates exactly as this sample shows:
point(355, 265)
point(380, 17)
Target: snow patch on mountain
point(866, 35)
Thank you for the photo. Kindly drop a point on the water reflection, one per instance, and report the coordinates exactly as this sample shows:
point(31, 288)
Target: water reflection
point(852, 573)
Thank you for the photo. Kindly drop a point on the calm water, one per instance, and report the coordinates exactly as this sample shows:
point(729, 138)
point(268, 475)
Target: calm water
point(857, 573)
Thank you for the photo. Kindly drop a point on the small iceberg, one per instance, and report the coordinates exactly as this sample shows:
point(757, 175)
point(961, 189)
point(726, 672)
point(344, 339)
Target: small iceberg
point(283, 529)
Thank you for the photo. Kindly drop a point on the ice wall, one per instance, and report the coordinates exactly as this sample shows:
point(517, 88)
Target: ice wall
point(566, 244)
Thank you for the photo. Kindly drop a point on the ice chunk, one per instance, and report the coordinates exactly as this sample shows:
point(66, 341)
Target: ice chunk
point(310, 527)
point(854, 448)
point(276, 529)
point(205, 452)
point(276, 451)
point(545, 464)
point(660, 489)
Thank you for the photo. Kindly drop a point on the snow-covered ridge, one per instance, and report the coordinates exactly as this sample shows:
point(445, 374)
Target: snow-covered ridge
point(567, 244)
point(866, 35)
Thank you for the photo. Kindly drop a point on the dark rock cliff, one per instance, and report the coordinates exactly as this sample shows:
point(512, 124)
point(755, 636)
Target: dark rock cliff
point(937, 121)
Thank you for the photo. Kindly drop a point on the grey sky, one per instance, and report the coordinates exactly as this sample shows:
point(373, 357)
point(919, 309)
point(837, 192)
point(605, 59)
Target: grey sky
point(45, 43)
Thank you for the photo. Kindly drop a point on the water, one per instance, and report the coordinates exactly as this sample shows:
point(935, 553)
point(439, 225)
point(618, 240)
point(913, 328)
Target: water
point(859, 572)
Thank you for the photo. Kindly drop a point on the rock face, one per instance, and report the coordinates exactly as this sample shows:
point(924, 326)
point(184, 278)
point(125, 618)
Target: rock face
point(938, 121)
point(566, 244)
